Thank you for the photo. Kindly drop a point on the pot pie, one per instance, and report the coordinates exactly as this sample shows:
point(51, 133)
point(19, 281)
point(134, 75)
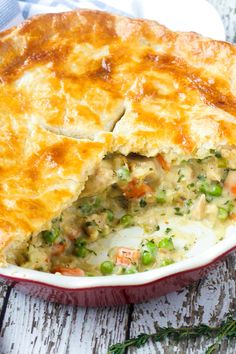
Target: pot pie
point(109, 123)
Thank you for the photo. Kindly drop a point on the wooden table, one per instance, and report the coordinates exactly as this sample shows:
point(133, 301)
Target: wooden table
point(32, 326)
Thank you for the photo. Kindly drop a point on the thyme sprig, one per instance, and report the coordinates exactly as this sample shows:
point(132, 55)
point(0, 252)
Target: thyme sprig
point(227, 329)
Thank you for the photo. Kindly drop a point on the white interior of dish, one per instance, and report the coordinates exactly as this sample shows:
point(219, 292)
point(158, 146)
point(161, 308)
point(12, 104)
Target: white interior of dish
point(204, 251)
point(133, 236)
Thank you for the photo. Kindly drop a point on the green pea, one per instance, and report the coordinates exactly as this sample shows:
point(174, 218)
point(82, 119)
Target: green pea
point(86, 209)
point(50, 236)
point(106, 267)
point(151, 247)
point(166, 262)
point(161, 197)
point(204, 188)
point(189, 202)
point(229, 205)
point(110, 215)
point(96, 203)
point(131, 270)
point(80, 242)
point(222, 213)
point(89, 207)
point(166, 243)
point(147, 258)
point(126, 220)
point(81, 251)
point(214, 189)
point(123, 173)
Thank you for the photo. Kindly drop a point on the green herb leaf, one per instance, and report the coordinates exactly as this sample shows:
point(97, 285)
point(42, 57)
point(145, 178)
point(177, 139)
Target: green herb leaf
point(178, 211)
point(142, 203)
point(167, 230)
point(227, 329)
point(222, 213)
point(216, 153)
point(181, 177)
point(161, 197)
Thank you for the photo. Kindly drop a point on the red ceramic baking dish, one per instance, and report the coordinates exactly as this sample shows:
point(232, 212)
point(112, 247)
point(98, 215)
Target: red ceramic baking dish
point(168, 107)
point(122, 289)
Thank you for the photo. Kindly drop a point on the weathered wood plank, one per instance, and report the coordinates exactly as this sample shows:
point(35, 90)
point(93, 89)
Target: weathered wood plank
point(227, 10)
point(43, 327)
point(108, 325)
point(3, 290)
point(4, 295)
point(206, 301)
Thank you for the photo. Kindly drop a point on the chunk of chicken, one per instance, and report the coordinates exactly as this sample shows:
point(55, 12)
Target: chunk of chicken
point(199, 207)
point(144, 168)
point(100, 181)
point(39, 258)
point(96, 223)
point(213, 173)
point(211, 211)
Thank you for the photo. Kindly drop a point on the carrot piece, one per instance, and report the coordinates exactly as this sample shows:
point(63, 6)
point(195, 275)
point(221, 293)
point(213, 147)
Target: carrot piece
point(127, 256)
point(135, 190)
point(58, 249)
point(232, 216)
point(230, 182)
point(233, 190)
point(72, 237)
point(163, 162)
point(74, 272)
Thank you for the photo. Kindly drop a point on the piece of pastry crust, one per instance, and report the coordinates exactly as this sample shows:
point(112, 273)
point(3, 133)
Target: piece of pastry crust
point(41, 174)
point(76, 85)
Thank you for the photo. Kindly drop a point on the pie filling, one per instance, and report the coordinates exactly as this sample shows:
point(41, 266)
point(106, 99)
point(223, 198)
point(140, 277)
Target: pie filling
point(135, 191)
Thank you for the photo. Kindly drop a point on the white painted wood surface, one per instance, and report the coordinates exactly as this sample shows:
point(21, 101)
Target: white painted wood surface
point(32, 326)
